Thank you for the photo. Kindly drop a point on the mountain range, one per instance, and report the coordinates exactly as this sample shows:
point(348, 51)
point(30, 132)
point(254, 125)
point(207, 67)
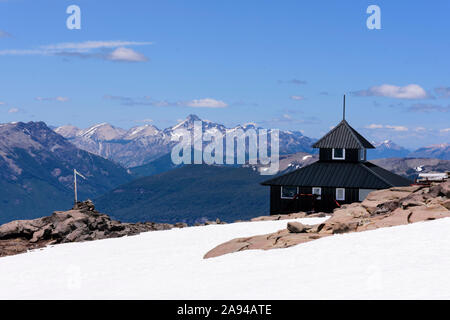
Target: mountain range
point(438, 151)
point(387, 149)
point(36, 171)
point(140, 145)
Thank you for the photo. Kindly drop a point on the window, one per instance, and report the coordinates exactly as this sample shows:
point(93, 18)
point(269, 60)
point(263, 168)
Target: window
point(338, 154)
point(288, 192)
point(340, 194)
point(317, 191)
point(362, 154)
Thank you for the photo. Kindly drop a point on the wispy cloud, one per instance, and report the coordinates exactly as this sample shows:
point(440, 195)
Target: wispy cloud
point(90, 45)
point(425, 107)
point(374, 126)
point(59, 99)
point(147, 101)
point(293, 81)
point(288, 119)
point(443, 92)
point(446, 130)
point(106, 50)
point(298, 98)
point(13, 110)
point(411, 91)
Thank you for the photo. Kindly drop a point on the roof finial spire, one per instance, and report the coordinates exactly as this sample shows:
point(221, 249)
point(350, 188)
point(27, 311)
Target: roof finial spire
point(343, 112)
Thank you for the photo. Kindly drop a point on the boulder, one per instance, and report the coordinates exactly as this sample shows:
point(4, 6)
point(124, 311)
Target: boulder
point(446, 204)
point(425, 213)
point(345, 219)
point(296, 227)
point(381, 201)
point(398, 217)
point(279, 239)
point(441, 189)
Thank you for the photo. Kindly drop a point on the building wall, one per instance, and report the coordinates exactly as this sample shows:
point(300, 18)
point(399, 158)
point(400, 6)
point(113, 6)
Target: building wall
point(308, 203)
point(351, 155)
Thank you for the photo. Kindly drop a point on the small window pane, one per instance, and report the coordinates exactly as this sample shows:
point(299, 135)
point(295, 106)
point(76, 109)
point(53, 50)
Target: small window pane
point(338, 153)
point(318, 192)
point(340, 194)
point(362, 154)
point(288, 192)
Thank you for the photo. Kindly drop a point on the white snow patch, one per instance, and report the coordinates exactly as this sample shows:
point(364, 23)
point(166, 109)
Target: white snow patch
point(408, 261)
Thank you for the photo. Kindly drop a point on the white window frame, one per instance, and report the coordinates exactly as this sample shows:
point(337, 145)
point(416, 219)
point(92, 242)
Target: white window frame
point(362, 154)
point(288, 197)
point(317, 193)
point(337, 194)
point(337, 158)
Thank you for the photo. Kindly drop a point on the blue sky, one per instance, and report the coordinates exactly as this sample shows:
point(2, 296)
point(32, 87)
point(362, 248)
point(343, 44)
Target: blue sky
point(281, 64)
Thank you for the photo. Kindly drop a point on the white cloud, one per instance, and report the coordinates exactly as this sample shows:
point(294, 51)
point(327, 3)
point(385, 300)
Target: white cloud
point(445, 130)
point(127, 55)
point(2, 103)
point(298, 98)
point(206, 103)
point(87, 49)
point(13, 110)
point(411, 91)
point(59, 99)
point(387, 126)
point(396, 128)
point(374, 126)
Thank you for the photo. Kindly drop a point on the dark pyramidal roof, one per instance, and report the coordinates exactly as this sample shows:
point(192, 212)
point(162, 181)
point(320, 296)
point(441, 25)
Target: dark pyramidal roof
point(343, 136)
point(364, 175)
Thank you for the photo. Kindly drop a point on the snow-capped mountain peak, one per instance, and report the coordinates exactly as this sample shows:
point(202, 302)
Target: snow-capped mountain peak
point(388, 144)
point(102, 131)
point(439, 151)
point(188, 124)
point(144, 131)
point(68, 131)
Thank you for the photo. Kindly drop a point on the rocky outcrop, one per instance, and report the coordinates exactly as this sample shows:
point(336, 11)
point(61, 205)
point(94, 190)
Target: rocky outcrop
point(382, 208)
point(82, 223)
